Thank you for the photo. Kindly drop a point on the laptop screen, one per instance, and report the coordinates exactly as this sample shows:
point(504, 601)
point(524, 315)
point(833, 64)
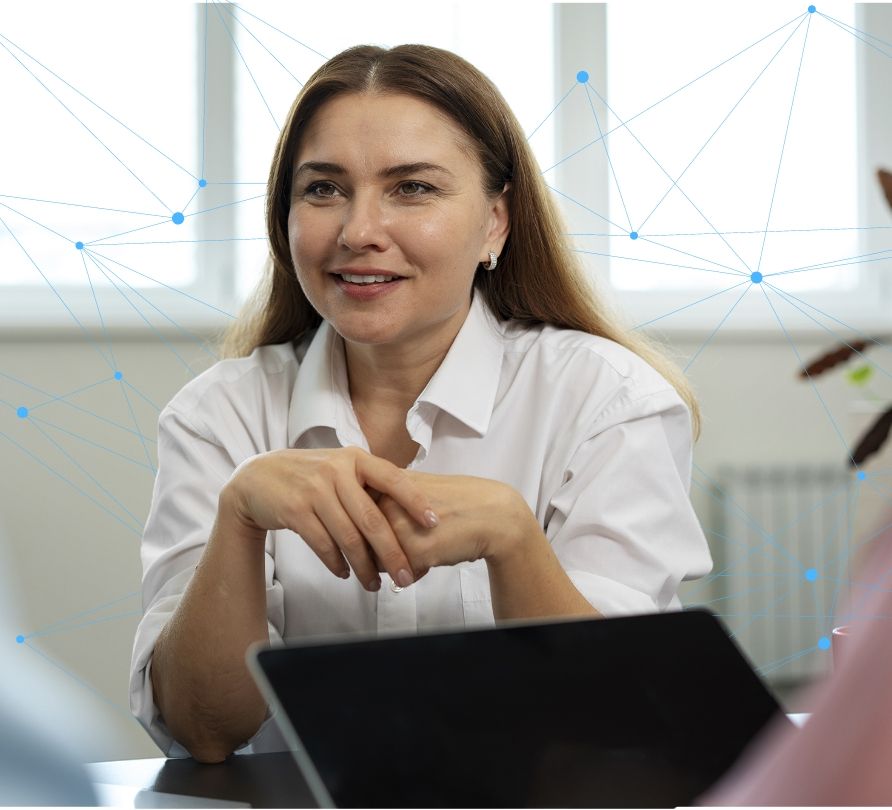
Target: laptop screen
point(627, 712)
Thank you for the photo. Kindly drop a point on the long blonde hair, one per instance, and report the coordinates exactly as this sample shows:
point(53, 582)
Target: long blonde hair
point(539, 278)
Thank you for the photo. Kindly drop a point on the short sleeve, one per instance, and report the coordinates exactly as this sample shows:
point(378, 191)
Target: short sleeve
point(622, 524)
point(192, 470)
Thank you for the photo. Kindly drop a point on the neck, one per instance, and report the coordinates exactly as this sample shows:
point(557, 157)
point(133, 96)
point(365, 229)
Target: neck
point(388, 378)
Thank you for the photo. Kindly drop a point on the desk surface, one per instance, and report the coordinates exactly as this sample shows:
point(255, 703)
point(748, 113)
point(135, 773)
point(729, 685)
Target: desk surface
point(245, 780)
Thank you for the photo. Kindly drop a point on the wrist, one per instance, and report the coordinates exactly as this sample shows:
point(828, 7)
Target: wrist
point(510, 531)
point(232, 515)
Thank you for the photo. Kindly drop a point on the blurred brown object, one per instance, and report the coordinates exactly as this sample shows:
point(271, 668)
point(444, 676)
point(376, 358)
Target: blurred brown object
point(885, 179)
point(873, 439)
point(833, 358)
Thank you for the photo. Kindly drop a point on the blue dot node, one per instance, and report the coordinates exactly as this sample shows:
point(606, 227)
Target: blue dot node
point(756, 277)
point(20, 639)
point(178, 218)
point(861, 475)
point(202, 183)
point(118, 375)
point(811, 574)
point(582, 76)
point(823, 643)
point(22, 412)
point(79, 245)
point(811, 9)
point(633, 235)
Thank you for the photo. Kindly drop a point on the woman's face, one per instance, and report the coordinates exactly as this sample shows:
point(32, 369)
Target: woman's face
point(371, 208)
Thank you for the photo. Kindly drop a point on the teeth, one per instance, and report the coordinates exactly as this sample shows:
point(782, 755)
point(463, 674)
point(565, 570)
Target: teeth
point(367, 279)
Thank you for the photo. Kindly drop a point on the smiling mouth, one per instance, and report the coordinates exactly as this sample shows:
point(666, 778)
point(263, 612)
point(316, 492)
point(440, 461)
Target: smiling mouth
point(366, 290)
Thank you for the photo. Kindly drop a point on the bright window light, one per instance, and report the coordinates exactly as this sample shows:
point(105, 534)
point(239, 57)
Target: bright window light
point(70, 173)
point(759, 135)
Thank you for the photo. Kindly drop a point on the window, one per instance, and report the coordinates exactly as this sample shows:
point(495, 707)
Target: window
point(748, 144)
point(99, 147)
point(719, 125)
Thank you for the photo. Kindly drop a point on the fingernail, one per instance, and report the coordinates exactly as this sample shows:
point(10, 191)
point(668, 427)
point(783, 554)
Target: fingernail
point(375, 584)
point(431, 518)
point(404, 578)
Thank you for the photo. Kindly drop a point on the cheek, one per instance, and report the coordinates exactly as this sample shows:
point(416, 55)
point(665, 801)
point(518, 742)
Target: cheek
point(307, 235)
point(434, 233)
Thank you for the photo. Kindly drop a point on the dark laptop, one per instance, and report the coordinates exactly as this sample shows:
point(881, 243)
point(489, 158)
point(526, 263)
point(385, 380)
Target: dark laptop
point(638, 711)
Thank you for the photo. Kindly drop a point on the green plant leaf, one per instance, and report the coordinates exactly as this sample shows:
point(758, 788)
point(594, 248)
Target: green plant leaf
point(860, 375)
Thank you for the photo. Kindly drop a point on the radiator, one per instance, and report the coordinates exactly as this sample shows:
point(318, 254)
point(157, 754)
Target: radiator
point(781, 540)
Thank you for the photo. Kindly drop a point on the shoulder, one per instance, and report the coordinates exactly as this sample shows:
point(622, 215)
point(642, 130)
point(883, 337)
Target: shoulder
point(252, 389)
point(594, 378)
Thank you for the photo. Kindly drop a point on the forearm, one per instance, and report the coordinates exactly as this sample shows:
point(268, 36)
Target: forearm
point(526, 579)
point(201, 683)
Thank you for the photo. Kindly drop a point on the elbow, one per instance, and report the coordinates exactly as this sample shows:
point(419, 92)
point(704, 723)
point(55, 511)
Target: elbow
point(208, 754)
point(209, 731)
point(205, 745)
point(211, 743)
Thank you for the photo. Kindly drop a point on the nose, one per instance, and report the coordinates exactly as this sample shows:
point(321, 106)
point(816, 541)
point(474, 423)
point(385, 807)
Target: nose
point(365, 225)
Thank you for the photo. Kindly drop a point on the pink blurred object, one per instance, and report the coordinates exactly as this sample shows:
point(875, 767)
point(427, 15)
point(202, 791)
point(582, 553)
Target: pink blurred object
point(843, 755)
point(839, 640)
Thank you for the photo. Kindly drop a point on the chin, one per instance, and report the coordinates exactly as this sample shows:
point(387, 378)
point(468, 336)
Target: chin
point(364, 330)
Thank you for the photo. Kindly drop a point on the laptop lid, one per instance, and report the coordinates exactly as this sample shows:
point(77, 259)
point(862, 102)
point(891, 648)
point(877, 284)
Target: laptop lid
point(635, 711)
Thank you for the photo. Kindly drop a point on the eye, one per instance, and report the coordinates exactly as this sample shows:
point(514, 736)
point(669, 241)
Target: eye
point(422, 186)
point(313, 187)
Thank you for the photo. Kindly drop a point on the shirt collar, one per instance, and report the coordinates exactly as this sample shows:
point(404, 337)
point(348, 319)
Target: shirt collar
point(465, 384)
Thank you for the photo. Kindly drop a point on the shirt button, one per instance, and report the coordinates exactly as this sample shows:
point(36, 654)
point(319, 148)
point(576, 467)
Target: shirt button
point(394, 587)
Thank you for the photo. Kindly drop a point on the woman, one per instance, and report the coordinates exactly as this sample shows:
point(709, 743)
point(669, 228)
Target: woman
point(470, 422)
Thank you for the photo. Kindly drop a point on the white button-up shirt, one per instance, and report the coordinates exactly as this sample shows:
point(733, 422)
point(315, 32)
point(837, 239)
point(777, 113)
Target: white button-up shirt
point(593, 438)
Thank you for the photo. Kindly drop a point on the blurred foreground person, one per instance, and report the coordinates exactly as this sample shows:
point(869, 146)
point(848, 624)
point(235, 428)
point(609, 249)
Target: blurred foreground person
point(843, 755)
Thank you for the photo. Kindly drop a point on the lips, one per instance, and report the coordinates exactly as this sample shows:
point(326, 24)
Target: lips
point(365, 271)
point(362, 278)
point(367, 291)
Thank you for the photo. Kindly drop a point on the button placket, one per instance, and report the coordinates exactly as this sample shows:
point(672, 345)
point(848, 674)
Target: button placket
point(397, 608)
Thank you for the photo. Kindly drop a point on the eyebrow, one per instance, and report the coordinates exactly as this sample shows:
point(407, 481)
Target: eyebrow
point(393, 171)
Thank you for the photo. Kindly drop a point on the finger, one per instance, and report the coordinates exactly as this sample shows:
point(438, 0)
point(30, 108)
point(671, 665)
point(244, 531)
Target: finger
point(396, 516)
point(382, 569)
point(316, 536)
point(389, 479)
point(349, 537)
point(417, 572)
point(383, 544)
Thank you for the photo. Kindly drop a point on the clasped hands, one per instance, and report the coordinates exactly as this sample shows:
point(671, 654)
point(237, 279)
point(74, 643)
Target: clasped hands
point(473, 515)
point(357, 511)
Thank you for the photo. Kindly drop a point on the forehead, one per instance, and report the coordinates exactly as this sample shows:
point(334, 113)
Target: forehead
point(376, 128)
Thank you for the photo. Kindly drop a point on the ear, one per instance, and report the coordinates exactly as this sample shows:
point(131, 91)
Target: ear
point(500, 220)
